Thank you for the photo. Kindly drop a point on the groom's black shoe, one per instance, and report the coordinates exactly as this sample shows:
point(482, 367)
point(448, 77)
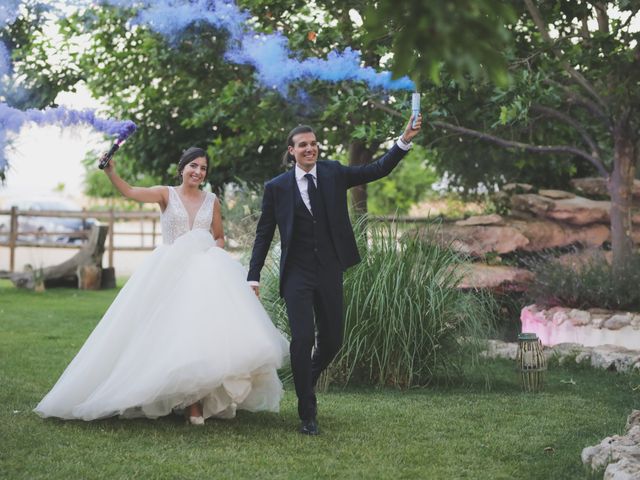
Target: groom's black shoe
point(309, 427)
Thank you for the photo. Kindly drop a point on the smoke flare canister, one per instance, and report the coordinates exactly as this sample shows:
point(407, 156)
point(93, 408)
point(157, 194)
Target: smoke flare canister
point(415, 107)
point(106, 158)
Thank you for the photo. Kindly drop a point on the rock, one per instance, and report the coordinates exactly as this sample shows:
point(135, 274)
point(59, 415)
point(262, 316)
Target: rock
point(559, 317)
point(633, 420)
point(495, 277)
point(616, 322)
point(547, 234)
point(635, 322)
point(516, 234)
point(598, 319)
point(557, 325)
point(624, 469)
point(493, 219)
point(556, 194)
point(517, 187)
point(563, 351)
point(479, 239)
point(597, 186)
point(620, 454)
point(612, 357)
point(579, 317)
point(584, 356)
point(575, 211)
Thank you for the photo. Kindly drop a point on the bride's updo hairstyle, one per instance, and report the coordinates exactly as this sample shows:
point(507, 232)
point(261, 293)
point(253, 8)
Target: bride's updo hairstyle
point(189, 155)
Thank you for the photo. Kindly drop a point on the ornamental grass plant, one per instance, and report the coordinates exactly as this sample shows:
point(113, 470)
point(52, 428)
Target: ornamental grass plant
point(406, 322)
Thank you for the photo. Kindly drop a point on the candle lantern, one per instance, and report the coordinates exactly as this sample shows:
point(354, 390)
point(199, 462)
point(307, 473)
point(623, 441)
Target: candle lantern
point(531, 362)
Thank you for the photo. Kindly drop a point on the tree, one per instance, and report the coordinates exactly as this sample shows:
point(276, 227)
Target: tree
point(574, 94)
point(34, 79)
point(464, 36)
point(184, 92)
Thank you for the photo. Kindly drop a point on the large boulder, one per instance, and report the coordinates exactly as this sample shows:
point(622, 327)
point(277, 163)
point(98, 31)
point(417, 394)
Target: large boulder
point(575, 210)
point(507, 234)
point(495, 277)
point(597, 187)
point(477, 240)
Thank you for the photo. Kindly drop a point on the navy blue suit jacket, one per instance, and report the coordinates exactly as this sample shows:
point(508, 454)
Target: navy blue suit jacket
point(334, 179)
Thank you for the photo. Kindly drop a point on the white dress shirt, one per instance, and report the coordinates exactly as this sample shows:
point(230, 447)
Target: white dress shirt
point(303, 184)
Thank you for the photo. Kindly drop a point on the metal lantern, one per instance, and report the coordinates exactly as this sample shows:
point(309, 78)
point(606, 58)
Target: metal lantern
point(531, 362)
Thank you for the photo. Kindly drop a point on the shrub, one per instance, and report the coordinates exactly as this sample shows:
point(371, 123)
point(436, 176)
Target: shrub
point(587, 283)
point(405, 320)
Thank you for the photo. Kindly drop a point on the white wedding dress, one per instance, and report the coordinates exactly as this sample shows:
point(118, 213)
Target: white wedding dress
point(186, 327)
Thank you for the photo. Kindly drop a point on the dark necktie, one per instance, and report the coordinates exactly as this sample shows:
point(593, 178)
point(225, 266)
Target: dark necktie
point(313, 193)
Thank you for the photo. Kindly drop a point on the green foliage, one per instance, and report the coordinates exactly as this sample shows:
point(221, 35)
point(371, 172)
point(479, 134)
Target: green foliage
point(543, 104)
point(405, 318)
point(587, 283)
point(39, 71)
point(97, 184)
point(465, 37)
point(409, 183)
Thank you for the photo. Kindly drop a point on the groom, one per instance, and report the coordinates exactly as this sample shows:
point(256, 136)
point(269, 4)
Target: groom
point(309, 205)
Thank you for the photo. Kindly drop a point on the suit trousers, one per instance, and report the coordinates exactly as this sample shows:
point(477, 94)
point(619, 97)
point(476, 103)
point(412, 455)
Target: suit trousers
point(312, 292)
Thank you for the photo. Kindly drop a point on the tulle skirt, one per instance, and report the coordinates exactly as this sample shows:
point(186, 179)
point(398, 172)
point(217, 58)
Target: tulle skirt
point(186, 327)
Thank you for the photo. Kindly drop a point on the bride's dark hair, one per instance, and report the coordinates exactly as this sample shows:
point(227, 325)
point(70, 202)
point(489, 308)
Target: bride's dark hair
point(189, 155)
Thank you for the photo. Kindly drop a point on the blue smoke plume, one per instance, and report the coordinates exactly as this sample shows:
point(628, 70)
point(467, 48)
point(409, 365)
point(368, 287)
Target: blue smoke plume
point(12, 120)
point(276, 66)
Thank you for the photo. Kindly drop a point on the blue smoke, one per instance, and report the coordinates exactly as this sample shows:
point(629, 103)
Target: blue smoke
point(275, 64)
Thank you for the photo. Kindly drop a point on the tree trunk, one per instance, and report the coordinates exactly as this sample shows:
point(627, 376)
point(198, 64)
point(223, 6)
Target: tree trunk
point(359, 154)
point(621, 190)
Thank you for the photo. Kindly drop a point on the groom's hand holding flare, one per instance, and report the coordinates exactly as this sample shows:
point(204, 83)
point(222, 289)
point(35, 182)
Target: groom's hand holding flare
point(411, 131)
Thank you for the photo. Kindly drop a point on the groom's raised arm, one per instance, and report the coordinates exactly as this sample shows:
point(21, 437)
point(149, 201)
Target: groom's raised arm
point(264, 235)
point(385, 164)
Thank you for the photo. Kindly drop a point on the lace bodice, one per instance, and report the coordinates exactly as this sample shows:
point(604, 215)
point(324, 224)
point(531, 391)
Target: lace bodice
point(175, 219)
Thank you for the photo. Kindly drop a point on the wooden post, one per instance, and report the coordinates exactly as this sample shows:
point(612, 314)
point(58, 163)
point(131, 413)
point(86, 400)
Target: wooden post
point(13, 238)
point(153, 232)
point(111, 226)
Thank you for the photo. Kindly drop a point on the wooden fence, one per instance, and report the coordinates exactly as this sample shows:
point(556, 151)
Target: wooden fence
point(12, 237)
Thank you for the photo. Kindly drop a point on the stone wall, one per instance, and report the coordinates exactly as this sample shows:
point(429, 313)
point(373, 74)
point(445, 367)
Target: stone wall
point(586, 327)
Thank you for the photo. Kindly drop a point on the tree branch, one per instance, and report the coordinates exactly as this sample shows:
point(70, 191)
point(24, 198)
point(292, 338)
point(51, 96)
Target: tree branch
point(578, 99)
point(563, 117)
point(567, 149)
point(385, 108)
point(577, 76)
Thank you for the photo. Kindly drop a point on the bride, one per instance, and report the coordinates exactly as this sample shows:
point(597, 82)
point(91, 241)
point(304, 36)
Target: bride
point(185, 332)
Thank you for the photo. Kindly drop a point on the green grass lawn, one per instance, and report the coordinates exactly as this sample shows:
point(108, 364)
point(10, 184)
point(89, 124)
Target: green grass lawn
point(481, 428)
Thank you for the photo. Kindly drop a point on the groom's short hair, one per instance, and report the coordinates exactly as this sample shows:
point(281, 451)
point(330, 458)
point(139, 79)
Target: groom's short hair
point(289, 159)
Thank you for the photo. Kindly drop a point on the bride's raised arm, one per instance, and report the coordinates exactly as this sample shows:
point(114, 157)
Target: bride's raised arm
point(158, 194)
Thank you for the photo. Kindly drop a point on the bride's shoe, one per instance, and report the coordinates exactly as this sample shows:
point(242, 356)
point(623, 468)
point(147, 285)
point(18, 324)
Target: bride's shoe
point(196, 420)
